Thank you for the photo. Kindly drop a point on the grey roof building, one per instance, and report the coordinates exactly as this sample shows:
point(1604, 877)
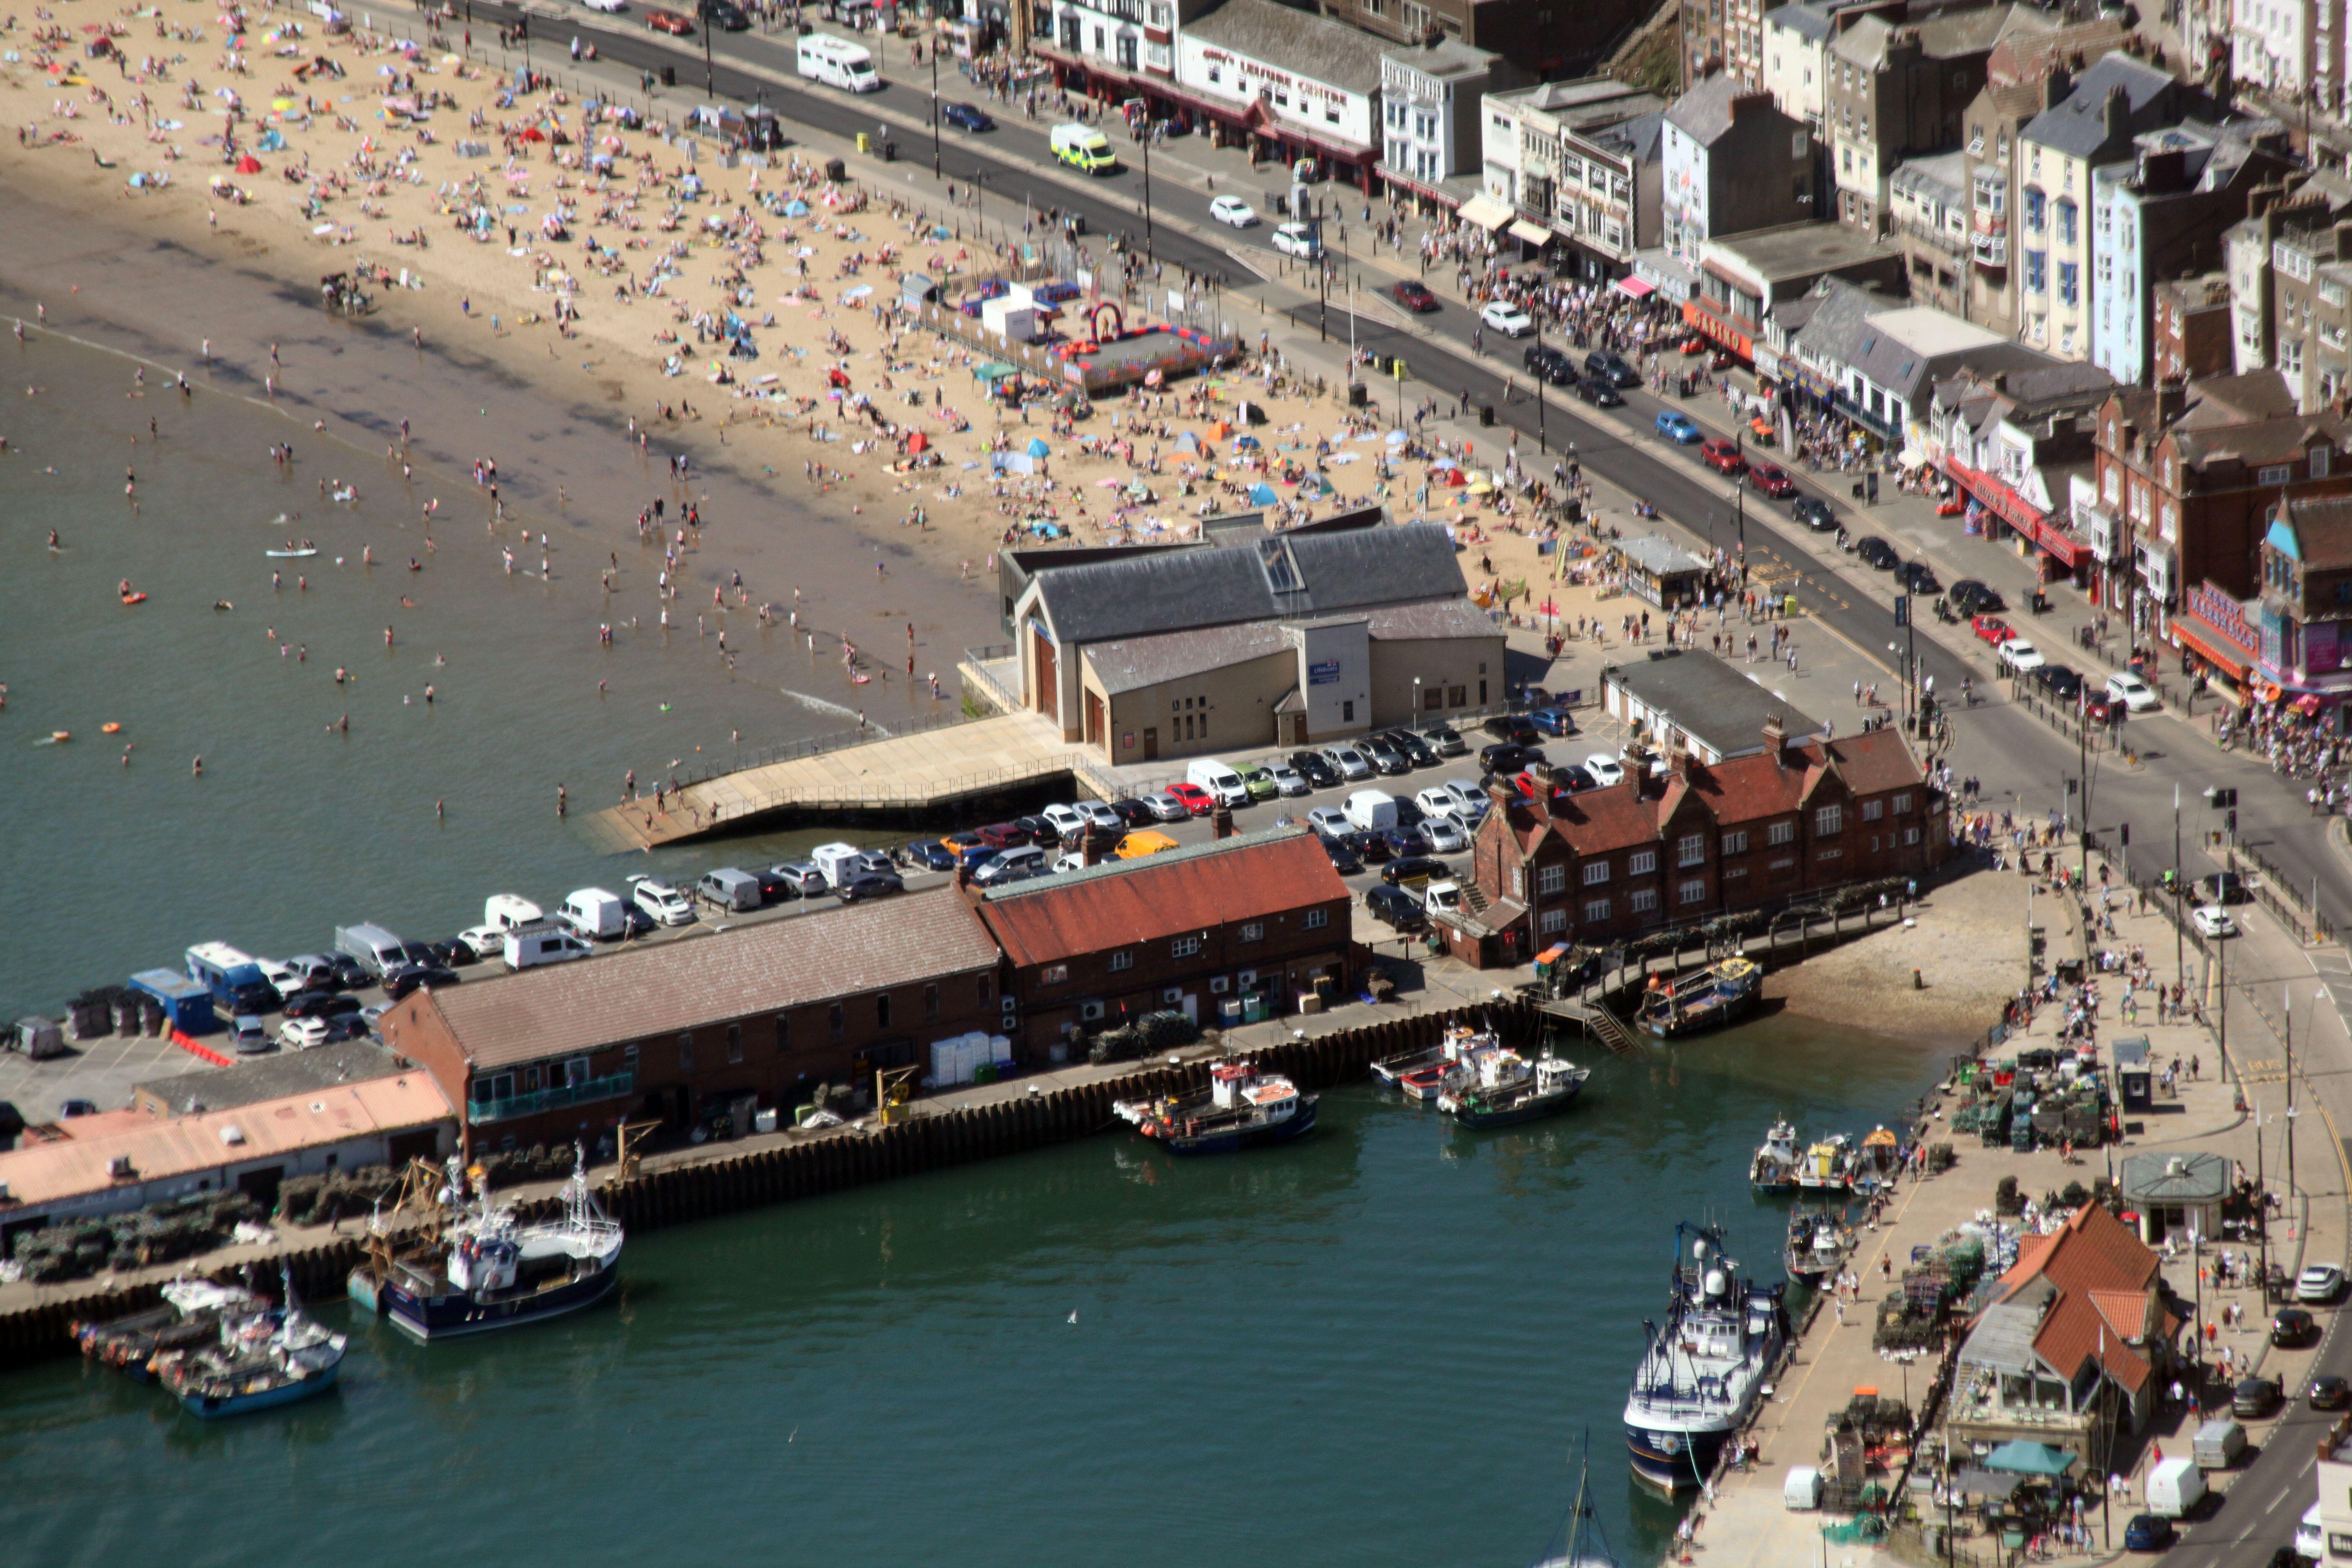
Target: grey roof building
point(1717, 708)
point(2175, 1193)
point(272, 1077)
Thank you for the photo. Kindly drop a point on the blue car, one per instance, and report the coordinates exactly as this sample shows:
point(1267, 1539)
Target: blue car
point(2148, 1532)
point(1552, 720)
point(1677, 427)
point(930, 855)
point(965, 116)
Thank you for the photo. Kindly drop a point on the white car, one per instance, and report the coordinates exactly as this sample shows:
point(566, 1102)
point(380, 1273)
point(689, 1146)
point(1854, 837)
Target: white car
point(1097, 815)
point(1232, 210)
point(1068, 822)
point(1330, 822)
point(1605, 768)
point(284, 978)
point(2021, 656)
point(1445, 834)
point(1508, 318)
point(2212, 921)
point(2319, 1284)
point(2133, 692)
point(612, 7)
point(665, 904)
point(1471, 803)
point(1437, 800)
point(302, 1034)
point(1289, 781)
point(1297, 239)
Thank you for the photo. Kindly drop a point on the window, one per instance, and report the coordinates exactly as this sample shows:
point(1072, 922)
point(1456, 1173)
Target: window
point(1910, 836)
point(734, 1042)
point(1829, 819)
point(1781, 833)
point(2275, 474)
point(1736, 843)
point(1253, 930)
point(1185, 947)
point(784, 1039)
point(1595, 873)
point(1872, 810)
point(930, 1004)
point(2064, 210)
point(1552, 923)
point(2069, 283)
point(686, 1053)
point(1903, 803)
point(1054, 975)
point(1316, 919)
point(1122, 959)
point(882, 1011)
point(1643, 900)
point(2036, 211)
point(1693, 891)
point(1690, 849)
point(1595, 909)
point(1347, 713)
point(629, 1053)
point(2037, 272)
point(1641, 863)
point(836, 1020)
point(987, 988)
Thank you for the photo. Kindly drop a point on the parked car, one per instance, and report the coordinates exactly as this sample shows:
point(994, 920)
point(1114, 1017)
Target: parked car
point(1992, 629)
point(1609, 770)
point(1386, 759)
point(302, 1034)
point(1414, 296)
point(1510, 727)
point(1412, 868)
point(658, 899)
point(2212, 921)
point(1395, 907)
point(1099, 814)
point(1372, 847)
point(2225, 888)
point(1724, 457)
point(1772, 479)
point(1877, 553)
point(456, 951)
point(964, 117)
point(1545, 361)
point(1919, 577)
point(1553, 721)
point(1599, 392)
point(1135, 813)
point(1443, 739)
point(670, 21)
point(416, 978)
point(1406, 843)
point(2060, 680)
point(2253, 1398)
point(1676, 427)
point(2019, 655)
point(867, 884)
point(1813, 512)
point(2133, 692)
point(1349, 763)
point(928, 854)
point(1613, 368)
point(250, 1034)
point(1505, 757)
point(2148, 1532)
point(1197, 801)
point(2328, 1391)
point(1446, 833)
point(809, 877)
point(1507, 319)
point(1471, 803)
point(1343, 859)
point(1330, 821)
point(724, 15)
point(1232, 210)
point(1972, 597)
point(1288, 781)
point(1011, 866)
point(1066, 821)
point(1317, 769)
point(320, 1004)
point(2291, 1326)
point(1259, 782)
point(1039, 829)
point(1300, 240)
point(1003, 834)
point(1168, 806)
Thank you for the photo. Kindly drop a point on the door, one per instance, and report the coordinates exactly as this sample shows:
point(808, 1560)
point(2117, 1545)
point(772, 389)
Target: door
point(1192, 1009)
point(261, 1185)
point(1150, 745)
point(1094, 718)
point(1049, 696)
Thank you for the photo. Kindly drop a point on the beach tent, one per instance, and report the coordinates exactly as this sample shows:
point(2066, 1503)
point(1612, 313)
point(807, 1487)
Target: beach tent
point(1037, 447)
point(1315, 487)
point(2021, 1458)
point(994, 371)
point(248, 164)
point(919, 442)
point(1261, 494)
point(1188, 442)
point(797, 208)
point(1245, 444)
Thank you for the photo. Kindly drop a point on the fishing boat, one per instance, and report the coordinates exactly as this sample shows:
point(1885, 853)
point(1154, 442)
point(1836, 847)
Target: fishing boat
point(1242, 1109)
point(1820, 1242)
point(1773, 1168)
point(1827, 1166)
point(191, 1314)
point(1704, 1369)
point(1509, 1088)
point(1417, 1073)
point(257, 1361)
point(1878, 1161)
point(1720, 994)
point(484, 1271)
point(1578, 1542)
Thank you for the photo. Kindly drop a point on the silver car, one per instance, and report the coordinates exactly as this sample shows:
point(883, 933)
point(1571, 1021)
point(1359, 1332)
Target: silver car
point(1167, 808)
point(1352, 763)
point(1447, 835)
point(1289, 781)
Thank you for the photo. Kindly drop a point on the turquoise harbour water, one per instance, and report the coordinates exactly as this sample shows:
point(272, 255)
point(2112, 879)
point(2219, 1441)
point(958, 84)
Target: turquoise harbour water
point(1375, 1346)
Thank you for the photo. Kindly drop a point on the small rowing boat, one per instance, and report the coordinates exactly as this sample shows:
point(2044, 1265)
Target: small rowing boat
point(289, 555)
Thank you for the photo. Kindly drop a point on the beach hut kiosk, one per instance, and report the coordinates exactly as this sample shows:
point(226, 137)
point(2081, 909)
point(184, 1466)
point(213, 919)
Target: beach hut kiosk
point(187, 1004)
point(2132, 1074)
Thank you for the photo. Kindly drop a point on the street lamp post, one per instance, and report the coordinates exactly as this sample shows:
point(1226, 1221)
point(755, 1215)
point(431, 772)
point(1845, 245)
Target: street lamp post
point(709, 71)
point(935, 110)
point(2179, 951)
point(1147, 177)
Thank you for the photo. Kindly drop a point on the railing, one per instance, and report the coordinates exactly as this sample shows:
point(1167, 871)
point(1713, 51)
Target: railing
point(2281, 896)
point(832, 740)
point(976, 672)
point(612, 1087)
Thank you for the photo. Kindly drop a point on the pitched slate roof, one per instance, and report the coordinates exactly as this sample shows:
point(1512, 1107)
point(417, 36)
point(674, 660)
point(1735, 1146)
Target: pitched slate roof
point(1253, 876)
point(1300, 41)
point(1703, 113)
point(2078, 126)
point(270, 1076)
point(1184, 589)
point(1807, 22)
point(2320, 532)
point(660, 990)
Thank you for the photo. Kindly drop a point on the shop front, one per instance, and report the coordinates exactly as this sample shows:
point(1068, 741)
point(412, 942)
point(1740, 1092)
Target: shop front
point(1701, 315)
point(1995, 505)
point(2217, 640)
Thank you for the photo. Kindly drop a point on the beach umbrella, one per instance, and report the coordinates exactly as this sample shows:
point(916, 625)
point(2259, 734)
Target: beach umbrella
point(1037, 447)
point(1246, 443)
point(1397, 437)
point(918, 442)
point(533, 134)
point(248, 164)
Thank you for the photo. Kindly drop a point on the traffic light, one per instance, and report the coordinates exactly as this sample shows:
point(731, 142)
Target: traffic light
point(2123, 830)
point(2233, 818)
point(1902, 609)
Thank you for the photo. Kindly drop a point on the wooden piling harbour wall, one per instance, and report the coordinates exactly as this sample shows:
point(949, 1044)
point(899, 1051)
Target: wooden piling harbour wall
point(708, 1188)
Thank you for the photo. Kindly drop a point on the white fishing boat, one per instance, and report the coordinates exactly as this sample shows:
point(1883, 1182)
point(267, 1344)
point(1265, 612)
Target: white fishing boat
point(1703, 1370)
point(1773, 1169)
point(260, 1360)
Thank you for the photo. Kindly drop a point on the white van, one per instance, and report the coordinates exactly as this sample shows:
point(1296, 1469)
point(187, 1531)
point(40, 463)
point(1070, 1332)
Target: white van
point(1372, 810)
point(506, 911)
point(535, 946)
point(1083, 147)
point(2175, 1487)
point(1223, 785)
point(593, 914)
point(838, 862)
point(837, 62)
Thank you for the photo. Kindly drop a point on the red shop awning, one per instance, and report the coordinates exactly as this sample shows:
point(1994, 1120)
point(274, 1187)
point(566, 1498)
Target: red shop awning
point(2020, 514)
point(2212, 647)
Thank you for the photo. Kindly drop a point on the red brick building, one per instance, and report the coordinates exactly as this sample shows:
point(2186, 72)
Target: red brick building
point(679, 1030)
point(1693, 840)
point(1259, 915)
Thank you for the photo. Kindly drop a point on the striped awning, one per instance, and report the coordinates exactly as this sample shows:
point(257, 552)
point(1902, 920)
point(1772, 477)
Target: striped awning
point(1486, 212)
point(1531, 233)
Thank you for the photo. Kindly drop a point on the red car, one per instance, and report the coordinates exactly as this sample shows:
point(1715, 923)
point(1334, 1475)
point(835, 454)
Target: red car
point(1994, 630)
point(670, 21)
point(1722, 456)
point(1197, 801)
point(1771, 479)
point(1003, 835)
point(1414, 296)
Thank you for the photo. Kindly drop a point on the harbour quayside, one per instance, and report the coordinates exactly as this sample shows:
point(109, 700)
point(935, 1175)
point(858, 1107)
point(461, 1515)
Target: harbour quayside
point(482, 1271)
point(1704, 1368)
point(1244, 1109)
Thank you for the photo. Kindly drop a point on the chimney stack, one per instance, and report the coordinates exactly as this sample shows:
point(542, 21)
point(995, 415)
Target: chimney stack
point(2171, 401)
point(1221, 821)
point(1776, 736)
point(1094, 846)
point(1637, 772)
point(2118, 111)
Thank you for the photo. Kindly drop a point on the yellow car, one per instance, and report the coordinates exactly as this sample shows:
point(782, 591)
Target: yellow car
point(1136, 846)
